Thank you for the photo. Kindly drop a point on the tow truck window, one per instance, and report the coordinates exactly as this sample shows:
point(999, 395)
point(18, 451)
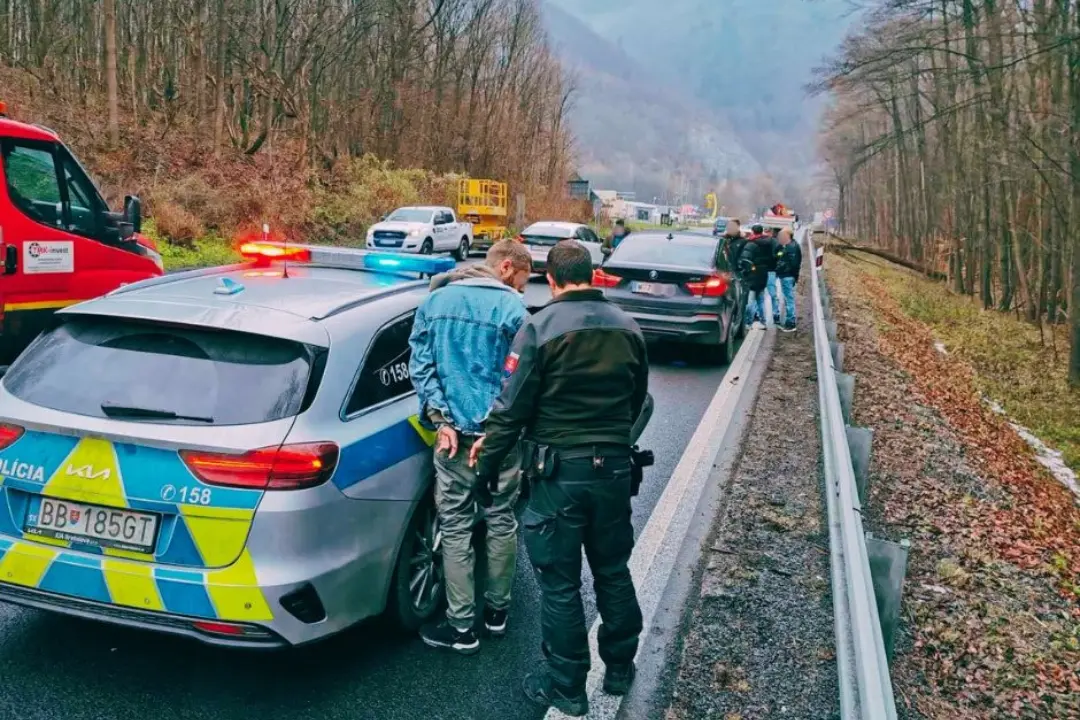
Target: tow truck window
point(32, 183)
point(384, 375)
point(214, 377)
point(83, 199)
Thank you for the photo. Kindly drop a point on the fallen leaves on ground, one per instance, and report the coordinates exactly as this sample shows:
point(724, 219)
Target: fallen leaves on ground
point(991, 599)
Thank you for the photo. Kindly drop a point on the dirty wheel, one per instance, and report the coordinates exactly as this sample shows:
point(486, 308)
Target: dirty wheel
point(418, 581)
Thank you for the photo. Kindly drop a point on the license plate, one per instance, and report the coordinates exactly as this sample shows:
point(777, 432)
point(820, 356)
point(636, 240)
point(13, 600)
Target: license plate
point(646, 288)
point(387, 243)
point(94, 525)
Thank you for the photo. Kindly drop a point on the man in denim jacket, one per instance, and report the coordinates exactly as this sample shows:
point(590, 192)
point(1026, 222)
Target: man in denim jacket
point(460, 342)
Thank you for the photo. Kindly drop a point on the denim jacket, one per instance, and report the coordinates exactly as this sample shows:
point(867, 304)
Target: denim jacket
point(460, 341)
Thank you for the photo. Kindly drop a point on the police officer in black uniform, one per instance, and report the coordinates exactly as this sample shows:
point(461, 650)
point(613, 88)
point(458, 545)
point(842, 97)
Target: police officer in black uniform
point(575, 382)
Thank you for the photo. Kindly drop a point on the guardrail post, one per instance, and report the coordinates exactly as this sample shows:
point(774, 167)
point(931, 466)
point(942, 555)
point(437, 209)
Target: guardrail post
point(860, 440)
point(888, 567)
point(830, 329)
point(846, 385)
point(837, 350)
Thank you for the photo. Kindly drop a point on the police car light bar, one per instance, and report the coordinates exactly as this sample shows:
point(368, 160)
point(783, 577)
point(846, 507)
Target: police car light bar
point(347, 258)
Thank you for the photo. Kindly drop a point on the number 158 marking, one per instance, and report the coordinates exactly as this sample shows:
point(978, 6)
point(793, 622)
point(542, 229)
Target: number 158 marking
point(195, 495)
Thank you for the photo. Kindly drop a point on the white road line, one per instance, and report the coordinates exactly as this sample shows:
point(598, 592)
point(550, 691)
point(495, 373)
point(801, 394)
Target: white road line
point(653, 559)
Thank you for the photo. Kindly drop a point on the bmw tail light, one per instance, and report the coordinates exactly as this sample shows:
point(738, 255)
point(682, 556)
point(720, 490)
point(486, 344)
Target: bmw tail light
point(9, 434)
point(714, 286)
point(604, 280)
point(288, 467)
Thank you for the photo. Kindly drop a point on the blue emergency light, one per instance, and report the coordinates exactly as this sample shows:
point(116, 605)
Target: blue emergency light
point(347, 258)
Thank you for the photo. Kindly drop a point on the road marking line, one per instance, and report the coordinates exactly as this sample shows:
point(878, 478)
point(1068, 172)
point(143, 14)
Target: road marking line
point(656, 550)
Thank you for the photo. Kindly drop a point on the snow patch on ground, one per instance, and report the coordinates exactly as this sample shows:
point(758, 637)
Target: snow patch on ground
point(940, 347)
point(1049, 458)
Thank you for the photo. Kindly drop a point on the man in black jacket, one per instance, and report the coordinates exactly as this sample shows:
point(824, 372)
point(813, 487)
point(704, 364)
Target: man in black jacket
point(575, 381)
point(788, 265)
point(754, 265)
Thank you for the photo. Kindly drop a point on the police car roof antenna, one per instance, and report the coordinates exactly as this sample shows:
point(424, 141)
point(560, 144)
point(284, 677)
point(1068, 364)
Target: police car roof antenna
point(284, 250)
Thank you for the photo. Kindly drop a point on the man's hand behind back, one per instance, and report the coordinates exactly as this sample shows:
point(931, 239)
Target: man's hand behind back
point(447, 441)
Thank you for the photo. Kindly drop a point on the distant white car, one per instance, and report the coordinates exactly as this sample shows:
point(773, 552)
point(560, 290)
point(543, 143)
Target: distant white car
point(422, 229)
point(541, 237)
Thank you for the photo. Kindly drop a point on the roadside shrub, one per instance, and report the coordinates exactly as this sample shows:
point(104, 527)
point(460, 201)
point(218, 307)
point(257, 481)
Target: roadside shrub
point(177, 225)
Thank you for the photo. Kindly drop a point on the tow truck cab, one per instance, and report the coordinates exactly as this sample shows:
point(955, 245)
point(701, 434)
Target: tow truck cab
point(59, 243)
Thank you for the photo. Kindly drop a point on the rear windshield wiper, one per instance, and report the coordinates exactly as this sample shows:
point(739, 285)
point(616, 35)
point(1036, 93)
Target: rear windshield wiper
point(130, 411)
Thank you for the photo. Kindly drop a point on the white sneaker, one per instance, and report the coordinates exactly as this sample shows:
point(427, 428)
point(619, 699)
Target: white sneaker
point(759, 325)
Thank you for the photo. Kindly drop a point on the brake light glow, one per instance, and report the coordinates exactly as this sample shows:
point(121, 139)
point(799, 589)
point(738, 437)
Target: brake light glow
point(520, 238)
point(9, 434)
point(715, 286)
point(274, 251)
point(288, 467)
point(603, 279)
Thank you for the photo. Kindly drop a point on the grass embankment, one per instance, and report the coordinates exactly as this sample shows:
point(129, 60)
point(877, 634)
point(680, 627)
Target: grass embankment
point(1022, 367)
point(991, 607)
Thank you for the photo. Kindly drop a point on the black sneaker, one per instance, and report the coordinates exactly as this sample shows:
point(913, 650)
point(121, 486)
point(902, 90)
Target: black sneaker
point(446, 636)
point(775, 319)
point(788, 327)
point(538, 688)
point(617, 678)
point(495, 621)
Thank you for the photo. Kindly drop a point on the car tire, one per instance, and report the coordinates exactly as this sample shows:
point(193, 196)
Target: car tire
point(462, 253)
point(724, 353)
point(408, 607)
point(428, 247)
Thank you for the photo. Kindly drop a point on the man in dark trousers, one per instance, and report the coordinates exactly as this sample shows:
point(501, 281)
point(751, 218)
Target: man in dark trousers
point(788, 264)
point(753, 267)
point(575, 381)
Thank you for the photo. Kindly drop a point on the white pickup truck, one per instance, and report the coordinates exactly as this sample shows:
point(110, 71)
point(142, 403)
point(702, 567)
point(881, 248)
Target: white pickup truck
point(422, 229)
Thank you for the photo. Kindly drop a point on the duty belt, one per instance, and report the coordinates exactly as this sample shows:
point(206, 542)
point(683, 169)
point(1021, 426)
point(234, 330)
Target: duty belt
point(579, 452)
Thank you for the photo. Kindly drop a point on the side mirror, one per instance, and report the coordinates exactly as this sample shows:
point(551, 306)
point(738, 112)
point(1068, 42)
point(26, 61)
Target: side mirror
point(11, 259)
point(132, 215)
point(127, 231)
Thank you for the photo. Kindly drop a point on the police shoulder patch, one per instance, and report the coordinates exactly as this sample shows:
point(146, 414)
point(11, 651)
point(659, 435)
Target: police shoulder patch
point(511, 364)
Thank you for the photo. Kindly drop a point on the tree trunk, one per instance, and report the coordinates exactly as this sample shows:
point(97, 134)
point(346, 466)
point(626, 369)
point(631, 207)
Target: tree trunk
point(110, 73)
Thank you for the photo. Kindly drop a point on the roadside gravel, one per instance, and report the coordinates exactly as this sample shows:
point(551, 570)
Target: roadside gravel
point(760, 632)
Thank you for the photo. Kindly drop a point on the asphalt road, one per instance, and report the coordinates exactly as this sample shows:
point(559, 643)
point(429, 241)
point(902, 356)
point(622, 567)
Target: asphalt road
point(56, 668)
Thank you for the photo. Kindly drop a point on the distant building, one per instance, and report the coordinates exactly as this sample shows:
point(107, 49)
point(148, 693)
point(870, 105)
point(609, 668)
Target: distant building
point(579, 188)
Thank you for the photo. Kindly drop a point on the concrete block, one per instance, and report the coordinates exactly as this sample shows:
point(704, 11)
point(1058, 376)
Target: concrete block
point(860, 440)
point(846, 385)
point(837, 349)
point(888, 567)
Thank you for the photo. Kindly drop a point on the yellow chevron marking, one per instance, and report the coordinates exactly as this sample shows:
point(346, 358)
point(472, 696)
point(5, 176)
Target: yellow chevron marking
point(90, 474)
point(25, 564)
point(132, 584)
point(235, 592)
point(219, 533)
point(428, 436)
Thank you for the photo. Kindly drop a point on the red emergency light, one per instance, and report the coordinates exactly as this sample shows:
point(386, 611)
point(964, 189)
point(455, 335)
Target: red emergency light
point(274, 251)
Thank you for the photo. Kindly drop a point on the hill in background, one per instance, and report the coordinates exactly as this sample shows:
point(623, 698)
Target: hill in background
point(736, 67)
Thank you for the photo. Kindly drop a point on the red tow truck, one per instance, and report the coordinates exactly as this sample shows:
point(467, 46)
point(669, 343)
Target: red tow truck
point(59, 242)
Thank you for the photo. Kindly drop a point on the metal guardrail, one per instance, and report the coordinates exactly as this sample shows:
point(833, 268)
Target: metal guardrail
point(866, 691)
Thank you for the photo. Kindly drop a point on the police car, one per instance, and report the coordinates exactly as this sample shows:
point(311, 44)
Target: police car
point(231, 454)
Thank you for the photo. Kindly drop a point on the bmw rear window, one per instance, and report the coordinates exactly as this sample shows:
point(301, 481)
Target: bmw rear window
point(658, 250)
point(104, 367)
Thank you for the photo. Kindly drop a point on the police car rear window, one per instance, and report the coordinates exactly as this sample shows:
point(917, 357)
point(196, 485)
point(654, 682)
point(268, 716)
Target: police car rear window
point(155, 373)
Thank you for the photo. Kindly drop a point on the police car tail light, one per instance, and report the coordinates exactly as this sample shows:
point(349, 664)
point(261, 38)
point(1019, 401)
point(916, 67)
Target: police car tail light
point(603, 279)
point(715, 286)
point(288, 467)
point(9, 434)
